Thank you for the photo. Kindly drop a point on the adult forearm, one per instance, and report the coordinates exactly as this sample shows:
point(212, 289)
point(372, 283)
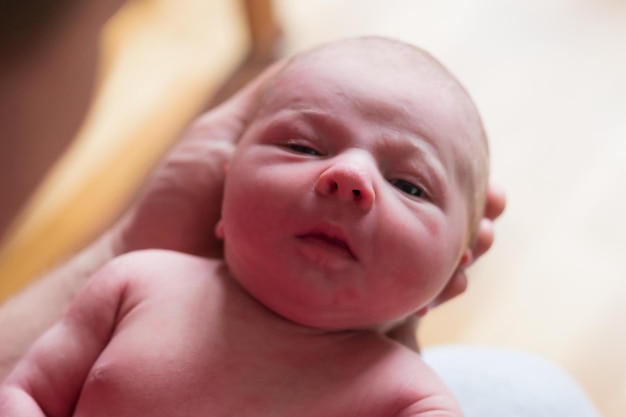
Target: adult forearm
point(27, 315)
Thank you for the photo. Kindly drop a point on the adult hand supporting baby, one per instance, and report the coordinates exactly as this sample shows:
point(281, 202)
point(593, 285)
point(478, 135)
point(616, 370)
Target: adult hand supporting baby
point(176, 210)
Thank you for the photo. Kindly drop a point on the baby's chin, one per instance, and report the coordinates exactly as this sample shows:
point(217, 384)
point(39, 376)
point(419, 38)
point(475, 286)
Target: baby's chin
point(317, 301)
point(336, 320)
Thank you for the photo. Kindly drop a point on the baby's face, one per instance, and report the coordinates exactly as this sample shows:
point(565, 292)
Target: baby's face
point(345, 204)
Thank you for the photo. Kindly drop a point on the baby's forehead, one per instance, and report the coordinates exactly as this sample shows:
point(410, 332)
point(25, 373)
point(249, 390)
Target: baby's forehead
point(387, 64)
point(395, 78)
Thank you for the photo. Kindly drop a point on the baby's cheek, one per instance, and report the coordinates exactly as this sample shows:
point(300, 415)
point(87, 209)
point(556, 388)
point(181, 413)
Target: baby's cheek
point(433, 226)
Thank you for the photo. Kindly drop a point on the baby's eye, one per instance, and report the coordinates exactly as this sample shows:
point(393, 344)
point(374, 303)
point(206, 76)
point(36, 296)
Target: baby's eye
point(303, 149)
point(409, 188)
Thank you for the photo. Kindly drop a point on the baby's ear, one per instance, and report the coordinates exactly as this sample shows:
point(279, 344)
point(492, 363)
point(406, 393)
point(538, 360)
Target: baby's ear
point(219, 230)
point(494, 206)
point(457, 284)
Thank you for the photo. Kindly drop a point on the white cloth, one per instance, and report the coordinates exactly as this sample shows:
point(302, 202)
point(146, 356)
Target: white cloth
point(491, 382)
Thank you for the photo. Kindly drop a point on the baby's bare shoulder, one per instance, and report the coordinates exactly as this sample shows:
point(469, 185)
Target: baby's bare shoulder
point(154, 266)
point(158, 260)
point(158, 275)
point(400, 379)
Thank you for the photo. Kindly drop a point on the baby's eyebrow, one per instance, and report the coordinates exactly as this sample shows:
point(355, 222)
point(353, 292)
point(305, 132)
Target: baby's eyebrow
point(418, 154)
point(407, 144)
point(325, 124)
point(302, 113)
point(321, 118)
point(285, 117)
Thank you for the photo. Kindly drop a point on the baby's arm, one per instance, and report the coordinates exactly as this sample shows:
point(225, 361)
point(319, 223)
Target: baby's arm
point(419, 391)
point(440, 408)
point(435, 400)
point(49, 379)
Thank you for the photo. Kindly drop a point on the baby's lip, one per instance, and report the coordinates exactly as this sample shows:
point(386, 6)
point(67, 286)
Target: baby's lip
point(331, 235)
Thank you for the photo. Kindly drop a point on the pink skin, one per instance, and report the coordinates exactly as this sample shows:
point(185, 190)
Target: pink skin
point(319, 221)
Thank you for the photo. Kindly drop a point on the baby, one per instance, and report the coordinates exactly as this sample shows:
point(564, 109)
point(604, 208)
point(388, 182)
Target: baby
point(353, 197)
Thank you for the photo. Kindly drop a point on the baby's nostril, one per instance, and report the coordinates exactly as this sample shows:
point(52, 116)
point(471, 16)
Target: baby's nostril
point(356, 193)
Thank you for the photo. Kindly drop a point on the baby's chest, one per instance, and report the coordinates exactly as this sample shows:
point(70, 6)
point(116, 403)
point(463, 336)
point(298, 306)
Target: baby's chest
point(215, 353)
point(225, 375)
point(228, 390)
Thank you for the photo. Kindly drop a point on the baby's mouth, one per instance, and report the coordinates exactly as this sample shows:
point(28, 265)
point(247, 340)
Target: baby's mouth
point(334, 244)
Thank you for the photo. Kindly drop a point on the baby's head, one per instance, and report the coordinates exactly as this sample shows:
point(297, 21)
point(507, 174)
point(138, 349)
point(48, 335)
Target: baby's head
point(357, 188)
point(410, 65)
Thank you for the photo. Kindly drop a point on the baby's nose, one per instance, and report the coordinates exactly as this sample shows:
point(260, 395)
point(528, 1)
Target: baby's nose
point(349, 182)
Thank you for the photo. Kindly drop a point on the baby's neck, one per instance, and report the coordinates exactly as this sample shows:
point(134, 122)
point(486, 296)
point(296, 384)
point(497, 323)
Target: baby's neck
point(270, 321)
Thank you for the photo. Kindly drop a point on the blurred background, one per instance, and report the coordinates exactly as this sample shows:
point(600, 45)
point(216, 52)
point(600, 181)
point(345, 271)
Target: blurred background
point(549, 78)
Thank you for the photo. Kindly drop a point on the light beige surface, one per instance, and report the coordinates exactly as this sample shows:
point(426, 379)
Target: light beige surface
point(550, 80)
